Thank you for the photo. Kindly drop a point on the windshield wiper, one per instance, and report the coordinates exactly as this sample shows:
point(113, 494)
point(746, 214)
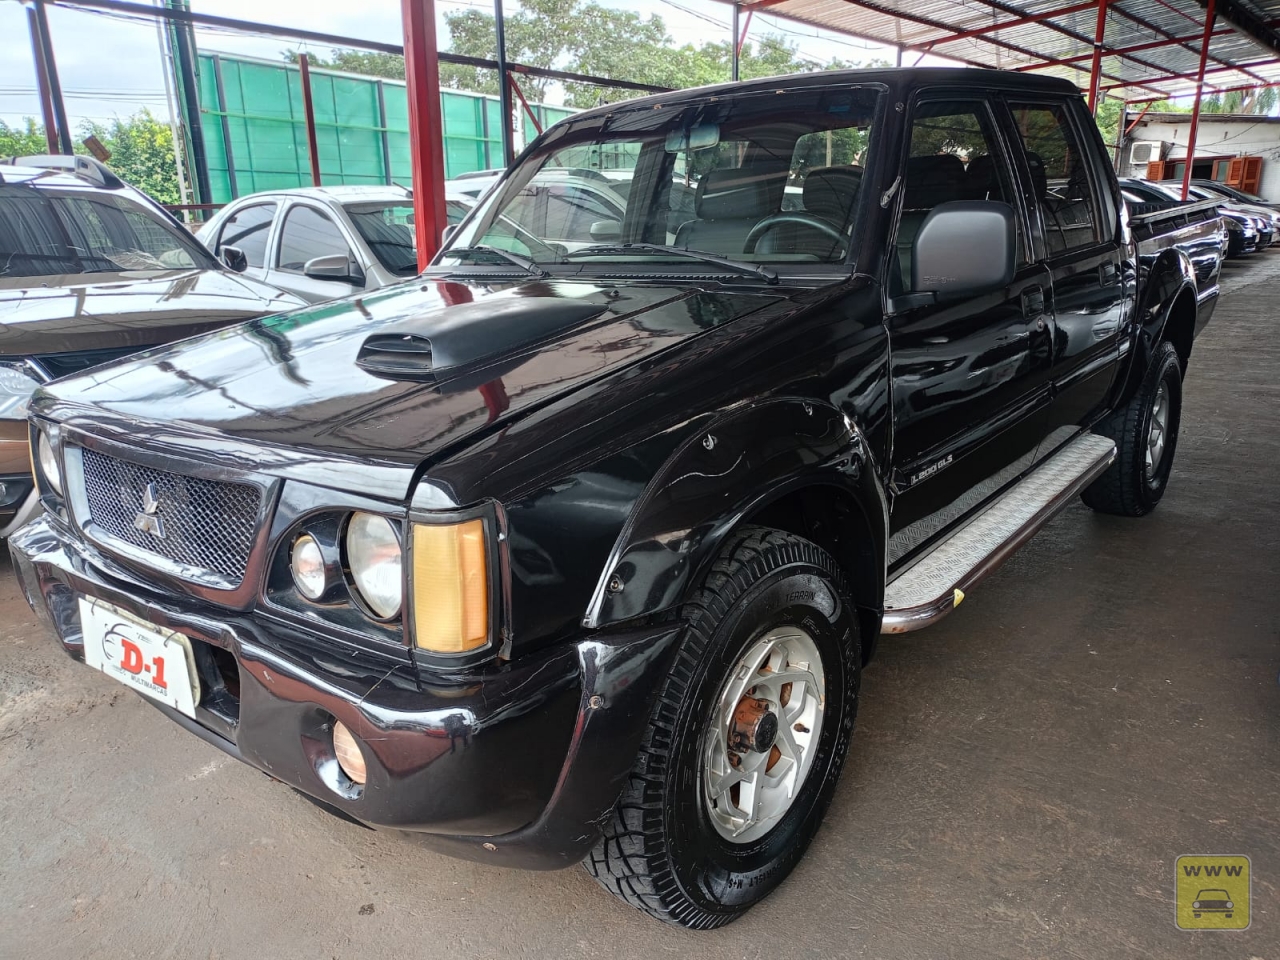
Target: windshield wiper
point(767, 274)
point(524, 263)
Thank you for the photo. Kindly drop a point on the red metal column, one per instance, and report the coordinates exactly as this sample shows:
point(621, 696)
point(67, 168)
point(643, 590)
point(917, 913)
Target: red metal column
point(426, 151)
point(1095, 72)
point(309, 115)
point(1209, 13)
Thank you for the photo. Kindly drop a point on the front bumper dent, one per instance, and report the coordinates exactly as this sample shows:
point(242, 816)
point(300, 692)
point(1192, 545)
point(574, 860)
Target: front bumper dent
point(517, 764)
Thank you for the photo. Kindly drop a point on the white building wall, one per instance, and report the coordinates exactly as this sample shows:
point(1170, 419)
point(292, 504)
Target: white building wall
point(1231, 138)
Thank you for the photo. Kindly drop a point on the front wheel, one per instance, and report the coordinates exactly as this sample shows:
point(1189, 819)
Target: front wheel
point(1146, 436)
point(747, 737)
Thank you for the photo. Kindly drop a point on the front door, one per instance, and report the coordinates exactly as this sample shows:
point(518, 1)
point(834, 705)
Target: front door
point(970, 378)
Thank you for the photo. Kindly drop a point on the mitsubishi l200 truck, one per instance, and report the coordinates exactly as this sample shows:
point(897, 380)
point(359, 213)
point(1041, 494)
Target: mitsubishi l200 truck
point(552, 555)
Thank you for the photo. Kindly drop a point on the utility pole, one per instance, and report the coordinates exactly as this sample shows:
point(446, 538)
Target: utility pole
point(183, 42)
point(51, 87)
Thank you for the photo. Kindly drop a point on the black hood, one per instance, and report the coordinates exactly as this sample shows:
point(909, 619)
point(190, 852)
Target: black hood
point(319, 380)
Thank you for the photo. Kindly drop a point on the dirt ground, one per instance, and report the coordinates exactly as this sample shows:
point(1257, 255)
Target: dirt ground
point(1023, 776)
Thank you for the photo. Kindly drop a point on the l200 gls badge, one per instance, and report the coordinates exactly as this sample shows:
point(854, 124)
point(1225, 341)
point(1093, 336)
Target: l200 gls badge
point(930, 470)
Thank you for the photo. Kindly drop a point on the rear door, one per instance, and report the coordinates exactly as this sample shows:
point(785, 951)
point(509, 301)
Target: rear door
point(970, 379)
point(1077, 223)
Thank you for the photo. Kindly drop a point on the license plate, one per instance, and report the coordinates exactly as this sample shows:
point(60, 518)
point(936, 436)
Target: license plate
point(153, 660)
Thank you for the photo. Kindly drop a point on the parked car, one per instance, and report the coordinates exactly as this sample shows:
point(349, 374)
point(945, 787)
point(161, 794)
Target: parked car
point(1235, 193)
point(321, 243)
point(1269, 218)
point(580, 556)
point(1245, 232)
point(92, 269)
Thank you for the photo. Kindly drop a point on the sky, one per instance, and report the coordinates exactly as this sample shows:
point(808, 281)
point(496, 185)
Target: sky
point(111, 67)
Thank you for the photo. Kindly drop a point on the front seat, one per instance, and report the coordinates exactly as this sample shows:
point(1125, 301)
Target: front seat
point(828, 193)
point(929, 181)
point(728, 204)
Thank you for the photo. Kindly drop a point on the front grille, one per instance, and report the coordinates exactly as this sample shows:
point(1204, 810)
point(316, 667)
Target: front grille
point(207, 525)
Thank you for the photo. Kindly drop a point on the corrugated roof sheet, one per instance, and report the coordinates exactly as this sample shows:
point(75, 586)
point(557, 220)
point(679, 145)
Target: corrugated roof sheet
point(1139, 62)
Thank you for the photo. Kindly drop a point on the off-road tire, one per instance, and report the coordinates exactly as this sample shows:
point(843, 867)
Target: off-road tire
point(659, 852)
point(1125, 490)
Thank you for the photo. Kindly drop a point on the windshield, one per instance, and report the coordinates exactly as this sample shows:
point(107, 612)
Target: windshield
point(758, 178)
point(46, 231)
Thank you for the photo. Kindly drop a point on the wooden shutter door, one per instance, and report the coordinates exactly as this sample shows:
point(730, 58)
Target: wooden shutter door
point(1252, 176)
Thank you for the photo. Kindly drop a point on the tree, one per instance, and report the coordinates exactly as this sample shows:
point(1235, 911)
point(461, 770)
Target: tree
point(369, 63)
point(22, 141)
point(141, 153)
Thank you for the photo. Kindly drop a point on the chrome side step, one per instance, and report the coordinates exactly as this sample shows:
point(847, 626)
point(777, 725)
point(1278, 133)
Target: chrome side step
point(934, 584)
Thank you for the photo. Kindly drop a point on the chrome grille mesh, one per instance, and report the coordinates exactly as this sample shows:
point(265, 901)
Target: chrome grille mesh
point(208, 525)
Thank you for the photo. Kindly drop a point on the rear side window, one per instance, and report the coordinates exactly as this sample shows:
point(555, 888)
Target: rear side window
point(1059, 176)
point(308, 234)
point(248, 230)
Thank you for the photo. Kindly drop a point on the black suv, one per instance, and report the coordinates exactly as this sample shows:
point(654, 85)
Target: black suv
point(564, 554)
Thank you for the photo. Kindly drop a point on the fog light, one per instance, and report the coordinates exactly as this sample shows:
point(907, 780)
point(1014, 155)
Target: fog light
point(345, 748)
point(307, 563)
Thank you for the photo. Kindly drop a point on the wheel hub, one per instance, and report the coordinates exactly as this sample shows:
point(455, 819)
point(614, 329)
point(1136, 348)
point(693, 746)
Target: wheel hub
point(761, 737)
point(754, 727)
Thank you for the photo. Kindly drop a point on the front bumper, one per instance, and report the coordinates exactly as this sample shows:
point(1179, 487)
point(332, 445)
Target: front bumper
point(516, 764)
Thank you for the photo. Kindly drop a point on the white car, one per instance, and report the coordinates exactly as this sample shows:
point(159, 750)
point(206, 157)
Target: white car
point(322, 243)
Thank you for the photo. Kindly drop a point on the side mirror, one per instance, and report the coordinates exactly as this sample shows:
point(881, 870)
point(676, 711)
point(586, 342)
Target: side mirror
point(606, 230)
point(447, 233)
point(964, 248)
point(235, 259)
point(336, 266)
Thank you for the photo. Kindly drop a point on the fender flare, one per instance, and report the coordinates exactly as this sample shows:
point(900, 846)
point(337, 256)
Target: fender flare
point(1170, 277)
point(745, 458)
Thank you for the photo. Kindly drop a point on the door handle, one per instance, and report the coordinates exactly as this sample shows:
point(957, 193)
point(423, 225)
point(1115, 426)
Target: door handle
point(1107, 273)
point(1033, 303)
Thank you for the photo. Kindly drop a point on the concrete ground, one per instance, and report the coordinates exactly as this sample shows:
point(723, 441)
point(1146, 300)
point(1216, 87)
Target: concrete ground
point(1022, 777)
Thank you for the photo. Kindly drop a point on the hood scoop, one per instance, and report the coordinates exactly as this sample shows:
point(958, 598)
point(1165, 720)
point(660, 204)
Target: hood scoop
point(443, 344)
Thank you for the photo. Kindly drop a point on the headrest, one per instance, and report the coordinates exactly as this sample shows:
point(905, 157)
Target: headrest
point(981, 177)
point(737, 194)
point(1039, 179)
point(829, 192)
point(933, 180)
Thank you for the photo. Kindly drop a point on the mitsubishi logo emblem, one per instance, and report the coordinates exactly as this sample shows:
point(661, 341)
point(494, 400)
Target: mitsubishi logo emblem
point(148, 518)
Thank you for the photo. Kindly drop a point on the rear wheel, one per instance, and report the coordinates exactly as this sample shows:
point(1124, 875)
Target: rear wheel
point(746, 741)
point(1146, 436)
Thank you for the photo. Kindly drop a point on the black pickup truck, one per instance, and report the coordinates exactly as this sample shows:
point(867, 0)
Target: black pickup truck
point(558, 554)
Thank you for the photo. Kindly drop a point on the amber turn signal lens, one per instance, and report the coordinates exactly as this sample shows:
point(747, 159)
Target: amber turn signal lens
point(345, 748)
point(450, 587)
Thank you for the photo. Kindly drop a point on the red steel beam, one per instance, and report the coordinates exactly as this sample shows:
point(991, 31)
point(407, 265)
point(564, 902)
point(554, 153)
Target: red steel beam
point(525, 103)
point(1133, 48)
point(426, 150)
point(1188, 76)
point(1136, 120)
point(1148, 25)
point(309, 114)
point(1095, 69)
point(1006, 24)
point(1195, 109)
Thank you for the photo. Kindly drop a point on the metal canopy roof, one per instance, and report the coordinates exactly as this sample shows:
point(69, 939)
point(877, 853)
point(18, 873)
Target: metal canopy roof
point(1150, 48)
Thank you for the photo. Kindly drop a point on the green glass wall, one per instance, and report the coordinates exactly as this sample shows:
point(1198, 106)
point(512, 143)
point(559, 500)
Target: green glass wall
point(255, 133)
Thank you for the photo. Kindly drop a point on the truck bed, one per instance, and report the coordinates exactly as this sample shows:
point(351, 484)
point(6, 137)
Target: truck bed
point(1192, 227)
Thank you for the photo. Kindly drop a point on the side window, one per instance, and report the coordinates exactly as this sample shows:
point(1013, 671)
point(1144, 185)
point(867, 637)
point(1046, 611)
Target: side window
point(954, 156)
point(1059, 176)
point(248, 229)
point(308, 234)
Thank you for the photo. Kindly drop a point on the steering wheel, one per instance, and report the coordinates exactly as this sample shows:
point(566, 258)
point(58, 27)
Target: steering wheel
point(798, 218)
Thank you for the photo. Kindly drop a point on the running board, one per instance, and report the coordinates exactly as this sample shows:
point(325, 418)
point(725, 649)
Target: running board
point(934, 585)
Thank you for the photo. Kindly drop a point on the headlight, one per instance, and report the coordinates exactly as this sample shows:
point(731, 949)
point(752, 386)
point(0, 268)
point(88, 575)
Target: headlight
point(450, 587)
point(306, 561)
point(48, 463)
point(373, 556)
point(16, 387)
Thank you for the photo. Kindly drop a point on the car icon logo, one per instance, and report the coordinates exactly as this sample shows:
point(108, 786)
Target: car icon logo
point(148, 519)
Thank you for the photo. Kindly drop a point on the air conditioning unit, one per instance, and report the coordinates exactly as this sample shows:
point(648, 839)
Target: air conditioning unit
point(1147, 151)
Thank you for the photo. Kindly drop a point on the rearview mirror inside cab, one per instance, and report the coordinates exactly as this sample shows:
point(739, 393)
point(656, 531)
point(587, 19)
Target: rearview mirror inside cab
point(964, 248)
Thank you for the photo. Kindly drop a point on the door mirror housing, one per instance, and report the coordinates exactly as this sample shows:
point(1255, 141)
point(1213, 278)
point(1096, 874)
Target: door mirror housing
point(335, 266)
point(964, 248)
point(235, 259)
point(606, 230)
